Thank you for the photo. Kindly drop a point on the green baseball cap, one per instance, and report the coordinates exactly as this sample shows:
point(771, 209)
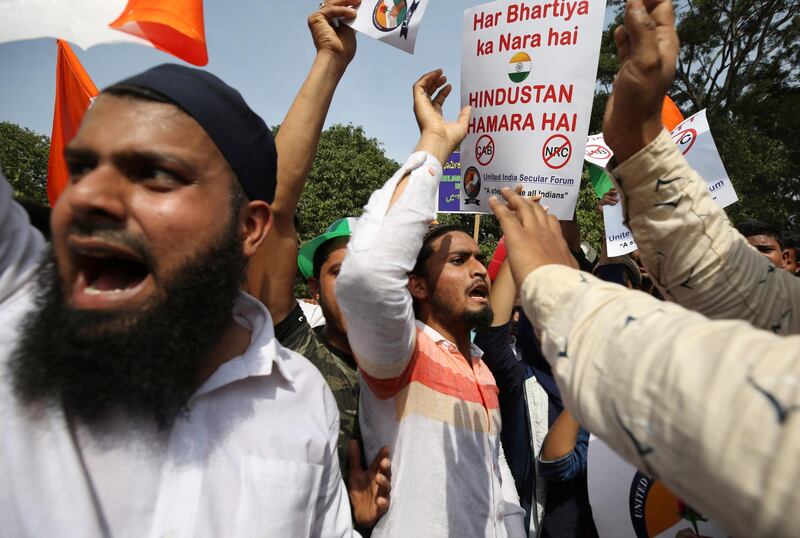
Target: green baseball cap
point(305, 258)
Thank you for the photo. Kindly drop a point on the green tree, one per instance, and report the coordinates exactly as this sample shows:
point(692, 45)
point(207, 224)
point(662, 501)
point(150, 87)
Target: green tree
point(348, 167)
point(23, 159)
point(739, 61)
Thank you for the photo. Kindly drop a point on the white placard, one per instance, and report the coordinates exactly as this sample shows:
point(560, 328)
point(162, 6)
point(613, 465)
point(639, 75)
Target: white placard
point(528, 71)
point(394, 22)
point(629, 504)
point(619, 239)
point(693, 138)
point(597, 151)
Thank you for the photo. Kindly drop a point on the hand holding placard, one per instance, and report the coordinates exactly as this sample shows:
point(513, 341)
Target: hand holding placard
point(337, 41)
point(648, 48)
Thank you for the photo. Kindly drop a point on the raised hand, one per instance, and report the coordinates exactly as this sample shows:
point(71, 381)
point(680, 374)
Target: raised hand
point(647, 46)
point(338, 40)
point(437, 136)
point(533, 238)
point(368, 489)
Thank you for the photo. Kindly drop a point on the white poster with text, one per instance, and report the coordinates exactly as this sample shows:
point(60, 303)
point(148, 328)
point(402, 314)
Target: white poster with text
point(693, 138)
point(392, 21)
point(619, 239)
point(528, 72)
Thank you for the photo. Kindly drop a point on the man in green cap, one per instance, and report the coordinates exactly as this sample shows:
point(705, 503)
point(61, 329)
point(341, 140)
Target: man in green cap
point(271, 273)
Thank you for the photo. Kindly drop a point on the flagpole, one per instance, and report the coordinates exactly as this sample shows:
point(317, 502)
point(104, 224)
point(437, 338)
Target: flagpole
point(477, 227)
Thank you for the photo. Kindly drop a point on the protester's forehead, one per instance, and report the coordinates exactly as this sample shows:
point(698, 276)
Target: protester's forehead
point(336, 249)
point(454, 241)
point(127, 123)
point(762, 239)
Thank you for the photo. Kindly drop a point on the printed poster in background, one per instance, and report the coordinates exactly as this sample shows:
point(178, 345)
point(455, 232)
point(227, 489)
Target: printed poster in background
point(619, 239)
point(450, 186)
point(629, 504)
point(693, 138)
point(392, 21)
point(528, 71)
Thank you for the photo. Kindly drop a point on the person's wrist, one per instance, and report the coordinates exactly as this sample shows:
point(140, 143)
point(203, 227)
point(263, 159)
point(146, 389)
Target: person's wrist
point(632, 140)
point(435, 144)
point(334, 63)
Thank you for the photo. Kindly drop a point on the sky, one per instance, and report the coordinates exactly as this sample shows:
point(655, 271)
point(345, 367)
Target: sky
point(264, 49)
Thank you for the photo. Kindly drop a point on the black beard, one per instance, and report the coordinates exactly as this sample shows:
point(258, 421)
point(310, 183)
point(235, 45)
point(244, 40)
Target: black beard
point(480, 320)
point(145, 363)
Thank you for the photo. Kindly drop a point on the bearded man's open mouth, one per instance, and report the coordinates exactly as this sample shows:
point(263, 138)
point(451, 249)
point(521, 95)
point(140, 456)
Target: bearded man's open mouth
point(107, 275)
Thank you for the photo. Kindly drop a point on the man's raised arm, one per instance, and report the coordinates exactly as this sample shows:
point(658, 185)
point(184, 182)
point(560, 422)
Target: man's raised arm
point(21, 245)
point(371, 287)
point(272, 272)
point(685, 240)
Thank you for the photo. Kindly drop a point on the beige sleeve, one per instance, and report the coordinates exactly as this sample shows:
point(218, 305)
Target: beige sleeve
point(692, 252)
point(709, 407)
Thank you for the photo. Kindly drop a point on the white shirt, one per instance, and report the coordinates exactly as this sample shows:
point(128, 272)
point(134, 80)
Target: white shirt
point(436, 409)
point(254, 456)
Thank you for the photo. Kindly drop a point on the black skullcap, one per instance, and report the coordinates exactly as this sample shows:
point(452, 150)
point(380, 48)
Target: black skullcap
point(240, 134)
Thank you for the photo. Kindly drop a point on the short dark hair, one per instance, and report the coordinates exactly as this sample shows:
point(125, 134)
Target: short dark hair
point(434, 232)
point(791, 240)
point(750, 228)
point(323, 252)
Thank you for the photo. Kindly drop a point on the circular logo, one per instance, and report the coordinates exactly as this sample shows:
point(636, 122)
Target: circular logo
point(472, 183)
point(596, 151)
point(519, 67)
point(484, 150)
point(685, 139)
point(389, 14)
point(557, 151)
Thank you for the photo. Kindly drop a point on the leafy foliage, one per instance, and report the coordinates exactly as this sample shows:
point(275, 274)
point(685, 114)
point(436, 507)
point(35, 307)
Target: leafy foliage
point(23, 159)
point(738, 60)
point(348, 167)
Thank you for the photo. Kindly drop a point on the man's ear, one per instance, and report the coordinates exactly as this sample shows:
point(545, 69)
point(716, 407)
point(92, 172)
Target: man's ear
point(256, 221)
point(786, 256)
point(418, 286)
point(313, 287)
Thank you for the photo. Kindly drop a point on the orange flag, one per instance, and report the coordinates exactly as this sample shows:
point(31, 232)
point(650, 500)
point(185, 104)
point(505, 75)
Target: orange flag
point(74, 93)
point(174, 26)
point(670, 114)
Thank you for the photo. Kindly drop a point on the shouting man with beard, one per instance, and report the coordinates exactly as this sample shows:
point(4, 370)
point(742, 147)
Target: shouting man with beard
point(142, 394)
point(410, 297)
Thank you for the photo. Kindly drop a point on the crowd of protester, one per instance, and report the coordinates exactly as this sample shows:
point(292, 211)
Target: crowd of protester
point(161, 378)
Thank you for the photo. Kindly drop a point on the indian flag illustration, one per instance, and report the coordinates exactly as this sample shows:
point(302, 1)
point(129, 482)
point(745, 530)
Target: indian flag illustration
point(519, 67)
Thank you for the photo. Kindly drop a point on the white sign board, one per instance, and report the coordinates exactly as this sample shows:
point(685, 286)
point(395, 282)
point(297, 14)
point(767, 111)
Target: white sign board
point(619, 239)
point(392, 21)
point(629, 504)
point(528, 72)
point(597, 151)
point(693, 138)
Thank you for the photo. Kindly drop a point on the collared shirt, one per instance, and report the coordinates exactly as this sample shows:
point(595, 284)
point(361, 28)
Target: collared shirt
point(436, 409)
point(338, 369)
point(711, 407)
point(255, 455)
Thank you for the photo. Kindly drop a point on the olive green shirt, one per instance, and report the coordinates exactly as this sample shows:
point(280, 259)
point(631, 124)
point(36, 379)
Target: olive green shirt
point(338, 369)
